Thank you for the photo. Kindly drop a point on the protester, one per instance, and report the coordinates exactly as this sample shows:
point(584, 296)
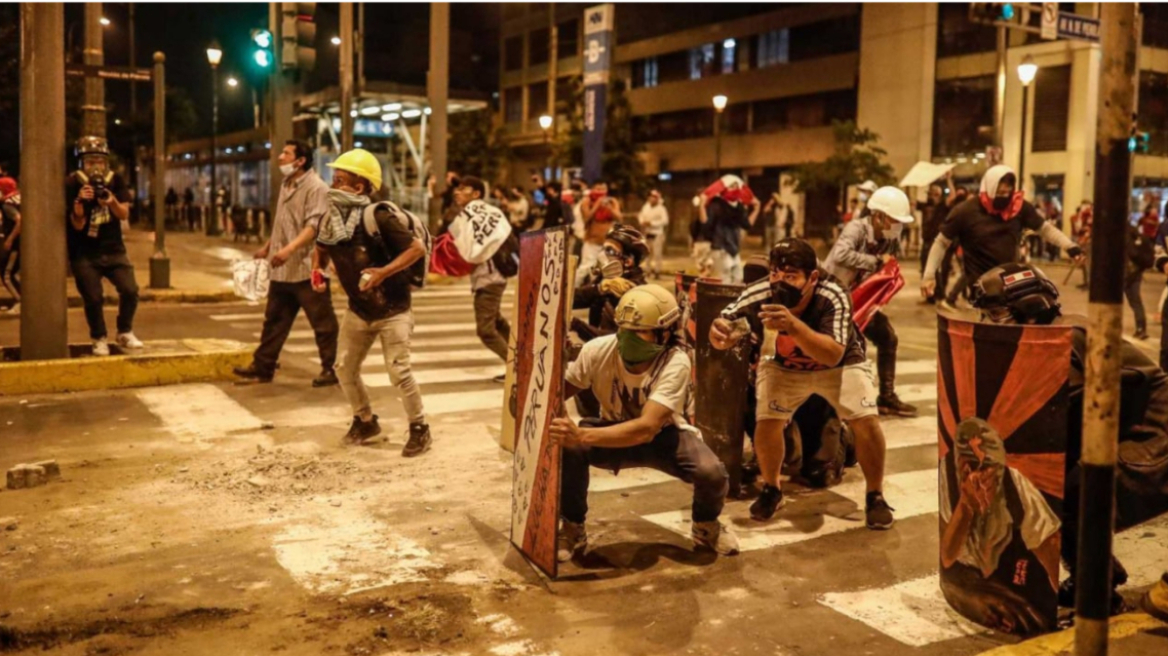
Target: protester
point(642, 379)
point(487, 283)
point(188, 208)
point(599, 211)
point(724, 206)
point(373, 270)
point(518, 209)
point(933, 213)
point(555, 212)
point(1161, 264)
point(863, 193)
point(1140, 257)
point(1150, 221)
point(618, 271)
point(302, 205)
point(10, 226)
point(171, 204)
point(803, 318)
point(701, 235)
point(864, 247)
point(952, 258)
point(780, 219)
point(989, 229)
point(654, 219)
point(98, 206)
point(1052, 211)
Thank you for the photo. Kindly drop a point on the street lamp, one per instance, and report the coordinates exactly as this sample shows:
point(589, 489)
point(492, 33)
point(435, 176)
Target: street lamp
point(545, 123)
point(232, 82)
point(214, 56)
point(1026, 72)
point(336, 40)
point(105, 22)
point(719, 105)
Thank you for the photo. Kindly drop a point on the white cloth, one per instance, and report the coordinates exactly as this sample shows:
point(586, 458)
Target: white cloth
point(478, 231)
point(653, 218)
point(252, 278)
point(622, 394)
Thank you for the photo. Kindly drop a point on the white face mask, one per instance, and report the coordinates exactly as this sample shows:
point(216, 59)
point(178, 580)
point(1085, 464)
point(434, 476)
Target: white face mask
point(287, 169)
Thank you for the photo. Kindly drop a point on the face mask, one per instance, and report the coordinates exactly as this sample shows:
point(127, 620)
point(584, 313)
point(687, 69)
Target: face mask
point(1002, 202)
point(786, 294)
point(610, 267)
point(287, 169)
point(634, 350)
point(863, 196)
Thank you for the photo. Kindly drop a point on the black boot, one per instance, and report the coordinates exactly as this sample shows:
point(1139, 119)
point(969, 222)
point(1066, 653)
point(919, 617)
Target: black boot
point(419, 441)
point(888, 403)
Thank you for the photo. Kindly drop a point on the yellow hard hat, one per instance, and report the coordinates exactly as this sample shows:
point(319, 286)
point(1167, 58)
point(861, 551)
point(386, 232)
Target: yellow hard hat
point(360, 162)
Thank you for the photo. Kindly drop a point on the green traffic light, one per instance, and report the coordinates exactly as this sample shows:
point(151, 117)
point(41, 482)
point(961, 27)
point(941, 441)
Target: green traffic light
point(263, 58)
point(1007, 12)
point(262, 38)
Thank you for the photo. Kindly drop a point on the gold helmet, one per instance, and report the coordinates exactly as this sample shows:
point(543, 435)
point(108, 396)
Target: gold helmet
point(647, 307)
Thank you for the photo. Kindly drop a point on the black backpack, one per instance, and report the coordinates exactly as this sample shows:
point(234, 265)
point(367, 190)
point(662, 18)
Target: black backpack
point(1140, 250)
point(417, 270)
point(506, 259)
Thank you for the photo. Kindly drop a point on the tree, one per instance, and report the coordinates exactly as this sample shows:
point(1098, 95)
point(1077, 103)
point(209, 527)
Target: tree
point(621, 165)
point(856, 158)
point(475, 147)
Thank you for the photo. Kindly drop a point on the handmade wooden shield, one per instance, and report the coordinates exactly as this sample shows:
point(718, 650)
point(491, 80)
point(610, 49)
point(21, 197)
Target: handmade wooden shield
point(539, 373)
point(720, 389)
point(1002, 395)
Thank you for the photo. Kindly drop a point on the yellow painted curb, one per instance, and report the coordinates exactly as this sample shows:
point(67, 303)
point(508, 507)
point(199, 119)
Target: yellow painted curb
point(1063, 642)
point(166, 363)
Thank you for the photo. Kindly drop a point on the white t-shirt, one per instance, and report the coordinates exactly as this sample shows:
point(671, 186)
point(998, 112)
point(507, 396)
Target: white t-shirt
point(623, 394)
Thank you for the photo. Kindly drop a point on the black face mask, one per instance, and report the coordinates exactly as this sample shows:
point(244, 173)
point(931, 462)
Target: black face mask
point(1002, 202)
point(786, 294)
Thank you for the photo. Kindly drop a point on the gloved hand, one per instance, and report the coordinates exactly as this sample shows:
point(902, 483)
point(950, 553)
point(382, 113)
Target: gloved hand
point(616, 286)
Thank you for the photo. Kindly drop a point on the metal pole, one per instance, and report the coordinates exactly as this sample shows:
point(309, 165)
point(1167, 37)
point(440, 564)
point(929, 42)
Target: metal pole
point(360, 45)
point(255, 106)
point(438, 91)
point(1117, 90)
point(718, 142)
point(280, 111)
point(1000, 88)
point(1022, 144)
point(213, 221)
point(44, 333)
point(159, 262)
point(93, 111)
point(346, 76)
point(553, 65)
point(134, 163)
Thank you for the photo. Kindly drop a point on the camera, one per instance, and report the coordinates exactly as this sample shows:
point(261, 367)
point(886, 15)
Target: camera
point(99, 190)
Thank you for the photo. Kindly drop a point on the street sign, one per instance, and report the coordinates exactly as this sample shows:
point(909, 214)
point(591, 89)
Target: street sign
point(598, 38)
point(1050, 16)
point(109, 72)
point(1074, 26)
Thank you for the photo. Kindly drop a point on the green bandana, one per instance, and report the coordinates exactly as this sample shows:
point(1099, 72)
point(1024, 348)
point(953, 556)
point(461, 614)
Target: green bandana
point(634, 350)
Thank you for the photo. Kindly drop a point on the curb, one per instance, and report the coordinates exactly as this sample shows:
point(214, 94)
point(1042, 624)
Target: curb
point(167, 296)
point(180, 361)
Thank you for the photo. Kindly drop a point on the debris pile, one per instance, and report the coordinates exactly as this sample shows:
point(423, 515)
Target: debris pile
point(275, 472)
point(32, 475)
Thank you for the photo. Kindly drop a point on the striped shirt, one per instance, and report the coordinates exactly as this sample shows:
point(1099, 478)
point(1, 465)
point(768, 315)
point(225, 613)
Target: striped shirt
point(303, 202)
point(829, 312)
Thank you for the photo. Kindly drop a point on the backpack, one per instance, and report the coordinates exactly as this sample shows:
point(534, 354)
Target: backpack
point(417, 271)
point(1141, 251)
point(506, 259)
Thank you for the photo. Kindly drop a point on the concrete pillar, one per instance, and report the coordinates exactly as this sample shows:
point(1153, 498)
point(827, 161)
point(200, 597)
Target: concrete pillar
point(93, 111)
point(438, 83)
point(346, 76)
point(159, 262)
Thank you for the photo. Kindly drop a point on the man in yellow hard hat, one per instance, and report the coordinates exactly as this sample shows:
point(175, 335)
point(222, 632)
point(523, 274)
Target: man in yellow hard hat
point(371, 247)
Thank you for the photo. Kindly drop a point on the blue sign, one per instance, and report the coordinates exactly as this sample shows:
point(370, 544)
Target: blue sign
point(1074, 26)
point(598, 25)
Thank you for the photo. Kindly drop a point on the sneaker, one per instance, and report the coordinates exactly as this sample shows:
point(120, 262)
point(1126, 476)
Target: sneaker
point(878, 512)
point(129, 341)
point(326, 378)
point(715, 537)
point(764, 507)
point(419, 441)
point(100, 347)
point(1155, 600)
point(890, 404)
point(360, 431)
point(571, 542)
point(1140, 335)
point(251, 372)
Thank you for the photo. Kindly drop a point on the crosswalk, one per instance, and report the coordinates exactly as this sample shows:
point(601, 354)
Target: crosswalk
point(455, 373)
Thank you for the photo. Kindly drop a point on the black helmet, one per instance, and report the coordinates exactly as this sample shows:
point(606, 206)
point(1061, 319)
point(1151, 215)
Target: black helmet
point(1016, 293)
point(92, 146)
point(792, 253)
point(631, 240)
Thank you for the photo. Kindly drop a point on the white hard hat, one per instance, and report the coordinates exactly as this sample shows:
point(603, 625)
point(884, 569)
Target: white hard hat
point(893, 202)
point(868, 186)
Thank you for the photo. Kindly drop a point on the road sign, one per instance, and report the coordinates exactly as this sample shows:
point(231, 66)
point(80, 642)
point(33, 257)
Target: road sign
point(109, 72)
point(1050, 16)
point(1074, 26)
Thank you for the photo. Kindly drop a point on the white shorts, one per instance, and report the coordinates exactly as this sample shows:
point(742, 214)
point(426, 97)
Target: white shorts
point(851, 390)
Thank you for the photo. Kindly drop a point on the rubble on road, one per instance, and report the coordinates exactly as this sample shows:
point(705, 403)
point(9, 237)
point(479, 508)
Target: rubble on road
point(32, 475)
point(274, 472)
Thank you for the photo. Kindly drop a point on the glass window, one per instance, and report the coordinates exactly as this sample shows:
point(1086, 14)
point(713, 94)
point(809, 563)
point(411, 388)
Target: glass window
point(671, 126)
point(513, 104)
point(513, 53)
point(773, 48)
point(537, 100)
point(568, 39)
point(824, 38)
point(963, 116)
point(809, 111)
point(645, 73)
point(1153, 110)
point(956, 35)
point(729, 47)
point(1052, 105)
point(701, 61)
point(538, 42)
point(673, 67)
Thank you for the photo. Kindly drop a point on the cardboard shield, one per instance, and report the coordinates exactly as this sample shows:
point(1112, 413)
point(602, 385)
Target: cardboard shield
point(1002, 395)
point(539, 373)
point(721, 382)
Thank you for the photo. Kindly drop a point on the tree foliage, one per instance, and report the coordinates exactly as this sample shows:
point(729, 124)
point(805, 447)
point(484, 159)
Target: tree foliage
point(475, 147)
point(621, 165)
point(856, 157)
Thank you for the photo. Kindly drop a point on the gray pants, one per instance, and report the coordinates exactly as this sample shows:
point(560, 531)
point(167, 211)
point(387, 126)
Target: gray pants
point(357, 337)
point(492, 328)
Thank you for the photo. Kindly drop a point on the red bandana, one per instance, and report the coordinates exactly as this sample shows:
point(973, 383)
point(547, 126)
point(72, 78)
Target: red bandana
point(1011, 211)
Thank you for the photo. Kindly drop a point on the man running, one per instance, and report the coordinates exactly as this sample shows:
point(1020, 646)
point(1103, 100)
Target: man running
point(803, 318)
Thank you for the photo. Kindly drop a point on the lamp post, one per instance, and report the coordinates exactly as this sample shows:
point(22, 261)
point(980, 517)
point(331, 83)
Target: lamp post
point(545, 123)
point(719, 105)
point(1026, 72)
point(214, 56)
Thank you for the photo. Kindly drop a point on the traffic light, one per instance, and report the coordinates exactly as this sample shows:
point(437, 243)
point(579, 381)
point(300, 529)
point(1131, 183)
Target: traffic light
point(1140, 142)
point(992, 13)
point(262, 53)
point(298, 36)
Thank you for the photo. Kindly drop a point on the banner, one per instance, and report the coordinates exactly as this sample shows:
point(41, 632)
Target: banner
point(1002, 397)
point(720, 395)
point(598, 45)
point(539, 372)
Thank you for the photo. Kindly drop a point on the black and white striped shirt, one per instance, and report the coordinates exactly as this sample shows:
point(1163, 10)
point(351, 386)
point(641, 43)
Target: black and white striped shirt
point(829, 312)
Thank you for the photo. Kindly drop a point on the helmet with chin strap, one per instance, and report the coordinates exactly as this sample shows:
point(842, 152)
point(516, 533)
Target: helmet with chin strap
point(647, 307)
point(632, 242)
point(1016, 293)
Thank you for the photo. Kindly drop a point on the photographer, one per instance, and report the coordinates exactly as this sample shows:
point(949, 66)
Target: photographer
point(98, 203)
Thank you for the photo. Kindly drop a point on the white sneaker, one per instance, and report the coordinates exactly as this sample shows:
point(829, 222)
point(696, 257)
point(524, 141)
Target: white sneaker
point(128, 341)
point(100, 347)
point(571, 541)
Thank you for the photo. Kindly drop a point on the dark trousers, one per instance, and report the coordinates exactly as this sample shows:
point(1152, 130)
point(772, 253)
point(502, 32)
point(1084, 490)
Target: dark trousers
point(926, 246)
point(285, 299)
point(681, 454)
point(492, 328)
point(1131, 290)
point(10, 270)
point(882, 335)
point(87, 275)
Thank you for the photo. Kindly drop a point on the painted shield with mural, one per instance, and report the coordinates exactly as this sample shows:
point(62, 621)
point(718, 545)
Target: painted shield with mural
point(1002, 394)
point(720, 393)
